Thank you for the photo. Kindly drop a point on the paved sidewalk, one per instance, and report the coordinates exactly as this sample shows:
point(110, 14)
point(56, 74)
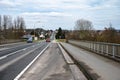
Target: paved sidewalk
point(105, 68)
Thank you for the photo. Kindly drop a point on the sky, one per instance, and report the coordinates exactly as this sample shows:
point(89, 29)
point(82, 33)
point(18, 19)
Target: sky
point(52, 14)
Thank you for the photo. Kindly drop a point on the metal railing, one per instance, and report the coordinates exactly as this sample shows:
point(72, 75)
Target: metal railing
point(109, 49)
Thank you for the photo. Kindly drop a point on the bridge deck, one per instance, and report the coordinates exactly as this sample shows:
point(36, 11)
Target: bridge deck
point(106, 69)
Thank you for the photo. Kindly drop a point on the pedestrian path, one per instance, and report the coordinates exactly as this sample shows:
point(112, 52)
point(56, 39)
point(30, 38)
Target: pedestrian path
point(106, 69)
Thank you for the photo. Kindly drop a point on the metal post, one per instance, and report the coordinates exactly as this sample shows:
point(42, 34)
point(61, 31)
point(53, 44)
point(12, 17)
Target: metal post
point(94, 46)
point(89, 45)
point(98, 48)
point(103, 49)
point(113, 48)
point(107, 49)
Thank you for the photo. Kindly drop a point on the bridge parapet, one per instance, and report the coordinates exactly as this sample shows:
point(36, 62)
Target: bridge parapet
point(108, 49)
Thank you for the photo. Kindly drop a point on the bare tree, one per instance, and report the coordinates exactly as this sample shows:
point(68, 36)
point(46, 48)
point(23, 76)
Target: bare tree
point(83, 24)
point(5, 21)
point(15, 28)
point(10, 28)
point(85, 27)
point(20, 26)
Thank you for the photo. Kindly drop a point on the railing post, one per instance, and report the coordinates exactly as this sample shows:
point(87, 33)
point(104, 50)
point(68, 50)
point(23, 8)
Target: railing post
point(89, 45)
point(107, 51)
point(102, 49)
point(113, 53)
point(95, 47)
point(98, 48)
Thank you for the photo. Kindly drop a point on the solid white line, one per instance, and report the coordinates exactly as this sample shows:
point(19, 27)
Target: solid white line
point(25, 69)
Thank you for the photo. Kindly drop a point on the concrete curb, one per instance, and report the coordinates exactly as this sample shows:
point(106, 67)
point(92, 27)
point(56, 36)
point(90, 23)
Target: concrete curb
point(77, 74)
point(87, 71)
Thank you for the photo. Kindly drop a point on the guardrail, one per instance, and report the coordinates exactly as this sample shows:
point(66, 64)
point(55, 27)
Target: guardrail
point(109, 49)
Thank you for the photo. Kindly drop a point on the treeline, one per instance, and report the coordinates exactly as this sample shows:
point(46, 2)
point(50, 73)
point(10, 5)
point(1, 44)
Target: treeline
point(11, 28)
point(84, 31)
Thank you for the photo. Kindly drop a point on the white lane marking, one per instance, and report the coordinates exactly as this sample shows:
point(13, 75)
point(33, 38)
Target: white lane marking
point(2, 57)
point(24, 49)
point(3, 49)
point(14, 52)
point(15, 60)
point(33, 46)
point(25, 69)
point(5, 56)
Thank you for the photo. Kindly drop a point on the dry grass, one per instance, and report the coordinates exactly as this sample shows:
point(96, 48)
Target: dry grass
point(61, 40)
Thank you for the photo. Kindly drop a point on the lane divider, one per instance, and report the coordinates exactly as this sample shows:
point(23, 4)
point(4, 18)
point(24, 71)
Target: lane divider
point(5, 56)
point(16, 59)
point(26, 68)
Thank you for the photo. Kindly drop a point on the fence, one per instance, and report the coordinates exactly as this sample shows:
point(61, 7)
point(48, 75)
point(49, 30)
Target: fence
point(109, 49)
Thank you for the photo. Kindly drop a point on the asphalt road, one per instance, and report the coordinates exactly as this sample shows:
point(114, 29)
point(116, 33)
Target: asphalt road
point(14, 58)
point(49, 66)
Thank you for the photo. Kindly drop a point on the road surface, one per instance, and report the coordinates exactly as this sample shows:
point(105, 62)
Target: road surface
point(103, 68)
point(50, 66)
point(14, 58)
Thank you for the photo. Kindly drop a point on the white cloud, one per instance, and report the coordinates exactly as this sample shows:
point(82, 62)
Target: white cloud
point(65, 12)
point(7, 3)
point(50, 14)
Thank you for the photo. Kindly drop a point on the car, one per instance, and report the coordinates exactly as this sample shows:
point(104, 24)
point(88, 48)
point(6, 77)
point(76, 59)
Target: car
point(30, 40)
point(48, 40)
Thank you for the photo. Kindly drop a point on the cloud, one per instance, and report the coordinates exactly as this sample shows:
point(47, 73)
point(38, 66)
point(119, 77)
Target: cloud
point(49, 14)
point(7, 3)
point(64, 12)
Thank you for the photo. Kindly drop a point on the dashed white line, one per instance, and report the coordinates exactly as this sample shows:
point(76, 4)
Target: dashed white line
point(2, 57)
point(3, 49)
point(5, 56)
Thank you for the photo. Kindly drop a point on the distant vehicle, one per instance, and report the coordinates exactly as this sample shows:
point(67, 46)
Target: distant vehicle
point(48, 40)
point(30, 40)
